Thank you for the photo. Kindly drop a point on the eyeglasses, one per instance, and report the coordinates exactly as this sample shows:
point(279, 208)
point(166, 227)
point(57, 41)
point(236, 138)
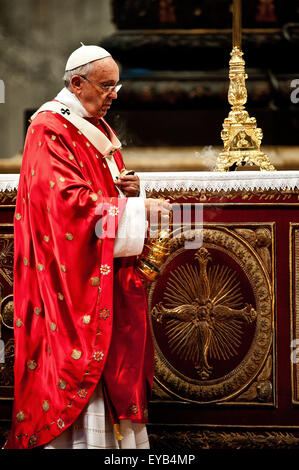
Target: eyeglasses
point(107, 88)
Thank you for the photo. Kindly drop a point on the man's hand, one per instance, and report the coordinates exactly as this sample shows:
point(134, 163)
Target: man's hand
point(155, 207)
point(129, 185)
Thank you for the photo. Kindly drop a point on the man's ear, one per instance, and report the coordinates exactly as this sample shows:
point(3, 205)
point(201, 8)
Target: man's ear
point(76, 82)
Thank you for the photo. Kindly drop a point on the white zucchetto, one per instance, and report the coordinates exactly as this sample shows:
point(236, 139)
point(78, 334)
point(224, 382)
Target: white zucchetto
point(85, 54)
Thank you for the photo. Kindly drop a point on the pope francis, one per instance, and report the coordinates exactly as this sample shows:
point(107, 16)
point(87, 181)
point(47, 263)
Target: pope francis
point(84, 353)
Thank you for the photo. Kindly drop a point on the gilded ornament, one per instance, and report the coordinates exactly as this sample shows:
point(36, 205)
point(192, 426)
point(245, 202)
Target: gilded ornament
point(82, 393)
point(95, 281)
point(52, 184)
point(240, 135)
point(25, 261)
point(40, 267)
point(86, 319)
point(18, 216)
point(104, 313)
point(183, 301)
point(93, 197)
point(133, 409)
point(37, 311)
point(60, 296)
point(20, 416)
point(63, 268)
point(19, 322)
point(33, 440)
point(60, 423)
point(76, 354)
point(53, 326)
point(46, 405)
point(206, 326)
point(69, 236)
point(98, 356)
point(62, 384)
point(31, 364)
point(46, 238)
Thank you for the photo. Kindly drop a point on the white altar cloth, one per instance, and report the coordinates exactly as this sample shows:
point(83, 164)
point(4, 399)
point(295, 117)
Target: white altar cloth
point(200, 180)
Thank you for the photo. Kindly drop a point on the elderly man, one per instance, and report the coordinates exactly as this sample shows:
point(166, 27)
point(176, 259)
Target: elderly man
point(84, 354)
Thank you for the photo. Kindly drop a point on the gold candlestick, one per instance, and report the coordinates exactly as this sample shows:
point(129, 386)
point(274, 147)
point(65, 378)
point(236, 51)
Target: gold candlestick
point(237, 24)
point(240, 135)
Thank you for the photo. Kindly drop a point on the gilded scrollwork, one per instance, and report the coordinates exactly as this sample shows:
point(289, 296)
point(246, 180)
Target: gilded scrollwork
point(246, 195)
point(219, 439)
point(6, 368)
point(199, 327)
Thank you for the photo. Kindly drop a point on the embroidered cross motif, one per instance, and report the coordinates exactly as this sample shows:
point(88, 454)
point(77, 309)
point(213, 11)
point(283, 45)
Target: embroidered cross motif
point(65, 111)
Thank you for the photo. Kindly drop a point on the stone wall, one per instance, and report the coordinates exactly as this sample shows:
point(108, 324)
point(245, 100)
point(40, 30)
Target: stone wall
point(36, 38)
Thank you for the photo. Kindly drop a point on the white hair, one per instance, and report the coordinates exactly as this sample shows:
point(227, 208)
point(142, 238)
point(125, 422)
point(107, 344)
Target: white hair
point(82, 70)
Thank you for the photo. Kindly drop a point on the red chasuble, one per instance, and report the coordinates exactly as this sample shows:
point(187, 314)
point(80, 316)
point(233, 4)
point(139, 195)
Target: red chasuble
point(79, 316)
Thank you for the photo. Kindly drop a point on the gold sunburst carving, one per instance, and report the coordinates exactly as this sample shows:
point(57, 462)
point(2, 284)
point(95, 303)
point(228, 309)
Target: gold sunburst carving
point(204, 312)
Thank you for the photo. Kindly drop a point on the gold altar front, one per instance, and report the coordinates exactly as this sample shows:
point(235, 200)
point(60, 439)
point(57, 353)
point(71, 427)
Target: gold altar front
point(224, 314)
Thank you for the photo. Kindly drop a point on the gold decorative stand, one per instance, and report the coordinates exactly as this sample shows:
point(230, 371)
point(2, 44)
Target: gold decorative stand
point(241, 136)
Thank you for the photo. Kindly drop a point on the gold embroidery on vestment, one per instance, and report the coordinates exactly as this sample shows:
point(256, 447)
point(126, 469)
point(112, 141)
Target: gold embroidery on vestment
point(31, 364)
point(46, 238)
point(46, 405)
point(60, 296)
point(40, 267)
point(63, 268)
point(76, 354)
point(69, 236)
point(18, 216)
point(95, 281)
point(62, 384)
point(94, 197)
point(37, 311)
point(20, 416)
point(53, 326)
point(86, 319)
point(19, 322)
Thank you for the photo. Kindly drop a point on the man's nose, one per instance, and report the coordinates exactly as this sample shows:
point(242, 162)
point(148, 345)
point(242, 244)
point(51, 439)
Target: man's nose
point(113, 94)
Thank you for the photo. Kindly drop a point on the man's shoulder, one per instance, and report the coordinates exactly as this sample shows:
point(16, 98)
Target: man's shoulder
point(48, 121)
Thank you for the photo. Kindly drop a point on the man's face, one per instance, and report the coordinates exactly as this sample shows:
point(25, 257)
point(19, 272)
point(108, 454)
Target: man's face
point(95, 99)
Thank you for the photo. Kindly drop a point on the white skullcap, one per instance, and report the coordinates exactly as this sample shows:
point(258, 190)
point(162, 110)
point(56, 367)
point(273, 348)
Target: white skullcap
point(84, 55)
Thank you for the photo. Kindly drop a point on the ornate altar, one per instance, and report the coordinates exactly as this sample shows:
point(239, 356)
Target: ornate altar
point(224, 312)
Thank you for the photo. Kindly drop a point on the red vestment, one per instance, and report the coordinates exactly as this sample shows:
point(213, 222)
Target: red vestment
point(79, 316)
